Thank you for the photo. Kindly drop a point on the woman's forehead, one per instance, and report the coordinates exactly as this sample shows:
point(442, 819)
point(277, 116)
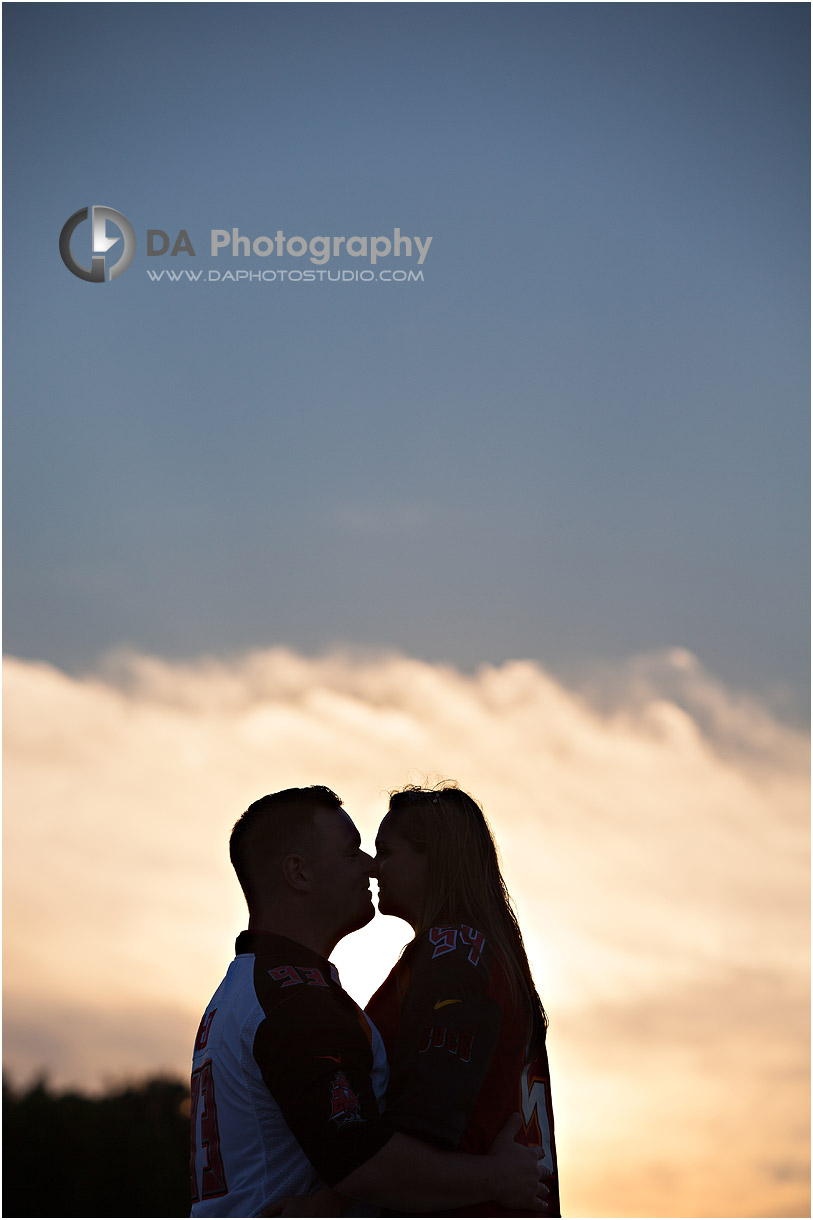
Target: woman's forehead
point(388, 831)
point(384, 828)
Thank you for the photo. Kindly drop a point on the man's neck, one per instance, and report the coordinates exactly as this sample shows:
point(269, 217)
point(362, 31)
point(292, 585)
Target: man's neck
point(294, 928)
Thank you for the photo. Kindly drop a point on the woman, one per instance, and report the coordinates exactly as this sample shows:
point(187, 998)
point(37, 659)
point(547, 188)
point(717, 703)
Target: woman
point(460, 1017)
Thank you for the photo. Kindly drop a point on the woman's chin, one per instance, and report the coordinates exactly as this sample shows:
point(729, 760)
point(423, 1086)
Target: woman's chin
point(385, 908)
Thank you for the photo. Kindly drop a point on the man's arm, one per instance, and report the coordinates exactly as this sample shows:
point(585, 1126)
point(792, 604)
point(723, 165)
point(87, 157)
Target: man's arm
point(321, 1082)
point(414, 1177)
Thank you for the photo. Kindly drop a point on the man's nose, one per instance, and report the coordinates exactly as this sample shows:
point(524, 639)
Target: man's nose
point(371, 865)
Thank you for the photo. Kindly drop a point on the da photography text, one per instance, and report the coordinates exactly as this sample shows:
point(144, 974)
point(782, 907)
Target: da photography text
point(107, 238)
point(319, 250)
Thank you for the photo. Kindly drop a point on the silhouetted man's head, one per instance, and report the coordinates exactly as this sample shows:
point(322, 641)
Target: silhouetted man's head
point(300, 845)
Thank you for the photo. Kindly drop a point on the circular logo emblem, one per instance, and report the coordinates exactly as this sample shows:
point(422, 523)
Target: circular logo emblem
point(99, 271)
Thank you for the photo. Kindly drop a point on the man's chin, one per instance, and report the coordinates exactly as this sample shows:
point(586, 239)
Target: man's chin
point(361, 919)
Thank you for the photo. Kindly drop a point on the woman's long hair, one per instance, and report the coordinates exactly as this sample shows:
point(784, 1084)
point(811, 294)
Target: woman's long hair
point(463, 881)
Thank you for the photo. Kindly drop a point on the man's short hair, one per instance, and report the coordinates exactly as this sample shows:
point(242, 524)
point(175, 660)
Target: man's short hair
point(272, 827)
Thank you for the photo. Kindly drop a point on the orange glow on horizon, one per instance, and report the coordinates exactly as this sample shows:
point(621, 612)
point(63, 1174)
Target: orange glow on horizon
point(658, 855)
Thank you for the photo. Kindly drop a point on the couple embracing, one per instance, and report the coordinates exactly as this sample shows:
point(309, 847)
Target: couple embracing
point(436, 1100)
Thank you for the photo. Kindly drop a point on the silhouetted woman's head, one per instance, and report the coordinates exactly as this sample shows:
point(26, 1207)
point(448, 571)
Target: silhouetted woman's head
point(437, 863)
point(446, 865)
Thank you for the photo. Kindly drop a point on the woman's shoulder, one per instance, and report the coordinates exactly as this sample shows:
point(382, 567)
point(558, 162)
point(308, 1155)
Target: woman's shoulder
point(458, 945)
point(464, 950)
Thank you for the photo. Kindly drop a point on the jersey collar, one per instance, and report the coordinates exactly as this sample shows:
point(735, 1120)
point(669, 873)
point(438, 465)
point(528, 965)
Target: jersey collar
point(261, 943)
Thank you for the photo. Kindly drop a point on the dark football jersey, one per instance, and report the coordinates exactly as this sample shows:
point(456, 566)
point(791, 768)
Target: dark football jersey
point(456, 1047)
point(287, 1078)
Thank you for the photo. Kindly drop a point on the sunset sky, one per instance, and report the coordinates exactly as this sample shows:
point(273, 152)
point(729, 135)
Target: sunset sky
point(537, 522)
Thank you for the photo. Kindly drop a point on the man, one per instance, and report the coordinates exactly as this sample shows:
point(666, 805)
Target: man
point(287, 1071)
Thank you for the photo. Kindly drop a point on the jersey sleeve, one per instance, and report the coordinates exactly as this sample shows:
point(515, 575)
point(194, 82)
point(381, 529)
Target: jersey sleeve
point(446, 1038)
point(316, 1061)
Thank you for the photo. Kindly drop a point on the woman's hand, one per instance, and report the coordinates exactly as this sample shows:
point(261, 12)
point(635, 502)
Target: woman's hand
point(523, 1172)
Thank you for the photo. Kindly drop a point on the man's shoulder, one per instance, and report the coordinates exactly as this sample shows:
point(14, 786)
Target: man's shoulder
point(287, 986)
point(294, 985)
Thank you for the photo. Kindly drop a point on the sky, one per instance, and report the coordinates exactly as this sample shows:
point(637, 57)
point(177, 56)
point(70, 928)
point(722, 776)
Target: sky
point(535, 519)
point(583, 435)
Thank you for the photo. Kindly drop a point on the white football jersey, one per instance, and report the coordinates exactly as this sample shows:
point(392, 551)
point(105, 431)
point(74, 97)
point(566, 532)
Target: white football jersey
point(288, 1081)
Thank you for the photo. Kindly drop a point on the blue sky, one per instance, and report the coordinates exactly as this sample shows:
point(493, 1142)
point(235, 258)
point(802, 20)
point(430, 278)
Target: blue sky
point(583, 436)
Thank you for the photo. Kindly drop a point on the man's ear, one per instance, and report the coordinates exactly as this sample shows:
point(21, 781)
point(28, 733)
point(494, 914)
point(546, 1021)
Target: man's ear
point(296, 873)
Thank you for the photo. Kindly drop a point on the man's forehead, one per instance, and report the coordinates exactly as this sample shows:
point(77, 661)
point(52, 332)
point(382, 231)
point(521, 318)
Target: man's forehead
point(338, 826)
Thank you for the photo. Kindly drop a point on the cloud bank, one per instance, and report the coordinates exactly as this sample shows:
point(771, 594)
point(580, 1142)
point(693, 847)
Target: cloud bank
point(654, 834)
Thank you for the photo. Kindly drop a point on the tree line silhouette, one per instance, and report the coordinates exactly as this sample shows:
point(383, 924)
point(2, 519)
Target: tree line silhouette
point(122, 1154)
